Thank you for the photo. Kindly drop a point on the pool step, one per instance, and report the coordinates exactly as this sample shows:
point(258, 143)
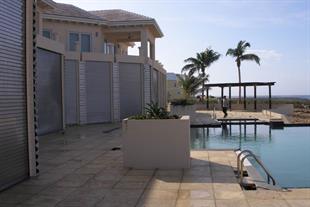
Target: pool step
point(276, 124)
point(248, 184)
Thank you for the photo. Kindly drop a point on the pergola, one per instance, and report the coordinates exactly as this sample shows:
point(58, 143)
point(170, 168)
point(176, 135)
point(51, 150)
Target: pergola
point(244, 85)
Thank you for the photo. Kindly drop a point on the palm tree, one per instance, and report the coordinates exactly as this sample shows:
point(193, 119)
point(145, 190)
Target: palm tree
point(200, 63)
point(239, 54)
point(190, 84)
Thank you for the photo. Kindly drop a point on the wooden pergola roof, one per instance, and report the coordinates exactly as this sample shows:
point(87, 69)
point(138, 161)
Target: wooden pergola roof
point(239, 84)
point(244, 85)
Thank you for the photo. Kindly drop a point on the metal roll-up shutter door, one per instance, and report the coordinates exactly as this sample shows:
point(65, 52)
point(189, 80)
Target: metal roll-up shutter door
point(49, 92)
point(71, 91)
point(98, 91)
point(13, 104)
point(130, 89)
point(154, 86)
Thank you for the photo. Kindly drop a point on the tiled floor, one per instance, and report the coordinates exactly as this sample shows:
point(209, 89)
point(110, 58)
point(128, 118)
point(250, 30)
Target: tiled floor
point(79, 169)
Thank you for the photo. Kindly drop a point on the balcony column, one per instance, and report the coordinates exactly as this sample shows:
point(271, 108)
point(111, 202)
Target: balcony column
point(144, 39)
point(152, 52)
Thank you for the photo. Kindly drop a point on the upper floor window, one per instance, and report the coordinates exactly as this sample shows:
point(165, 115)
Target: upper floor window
point(47, 33)
point(85, 42)
point(73, 41)
point(83, 39)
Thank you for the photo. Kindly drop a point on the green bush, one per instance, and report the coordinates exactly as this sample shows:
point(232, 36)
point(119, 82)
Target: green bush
point(183, 102)
point(153, 111)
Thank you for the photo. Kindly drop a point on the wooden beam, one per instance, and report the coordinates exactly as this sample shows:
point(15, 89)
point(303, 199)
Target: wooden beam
point(269, 86)
point(230, 97)
point(222, 92)
point(244, 97)
point(207, 91)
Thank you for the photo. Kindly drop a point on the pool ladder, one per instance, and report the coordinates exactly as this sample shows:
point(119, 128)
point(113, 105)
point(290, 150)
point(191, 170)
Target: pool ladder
point(240, 166)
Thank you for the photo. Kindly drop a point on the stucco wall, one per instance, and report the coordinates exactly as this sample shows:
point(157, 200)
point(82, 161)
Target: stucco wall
point(62, 30)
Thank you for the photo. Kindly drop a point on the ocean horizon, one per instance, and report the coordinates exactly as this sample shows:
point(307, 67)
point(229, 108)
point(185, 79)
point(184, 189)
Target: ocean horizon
point(307, 97)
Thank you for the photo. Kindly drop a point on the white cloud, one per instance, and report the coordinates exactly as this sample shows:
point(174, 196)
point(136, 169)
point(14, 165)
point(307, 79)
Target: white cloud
point(267, 54)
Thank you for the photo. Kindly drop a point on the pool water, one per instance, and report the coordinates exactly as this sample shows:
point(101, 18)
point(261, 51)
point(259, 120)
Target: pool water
point(284, 152)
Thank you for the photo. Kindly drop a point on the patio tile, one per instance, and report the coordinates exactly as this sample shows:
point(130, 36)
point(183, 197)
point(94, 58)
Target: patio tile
point(299, 203)
point(73, 180)
point(228, 191)
point(25, 189)
point(93, 183)
point(160, 194)
point(196, 194)
point(154, 202)
point(232, 203)
point(195, 203)
point(57, 191)
point(268, 203)
point(131, 185)
point(7, 198)
point(262, 194)
point(165, 183)
point(79, 200)
point(44, 200)
point(140, 172)
point(196, 186)
point(296, 194)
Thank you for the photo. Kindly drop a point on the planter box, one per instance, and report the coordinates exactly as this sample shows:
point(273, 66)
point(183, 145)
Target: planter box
point(188, 110)
point(150, 144)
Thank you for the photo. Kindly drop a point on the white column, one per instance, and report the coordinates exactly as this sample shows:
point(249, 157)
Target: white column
point(153, 57)
point(83, 94)
point(143, 51)
point(116, 92)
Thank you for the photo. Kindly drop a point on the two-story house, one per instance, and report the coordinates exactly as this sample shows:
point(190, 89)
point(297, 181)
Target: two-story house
point(85, 71)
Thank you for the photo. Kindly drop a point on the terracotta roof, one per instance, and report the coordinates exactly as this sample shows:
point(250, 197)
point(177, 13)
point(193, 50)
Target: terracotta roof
point(120, 15)
point(72, 11)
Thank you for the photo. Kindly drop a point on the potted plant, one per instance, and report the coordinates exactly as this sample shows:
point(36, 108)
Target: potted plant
point(156, 139)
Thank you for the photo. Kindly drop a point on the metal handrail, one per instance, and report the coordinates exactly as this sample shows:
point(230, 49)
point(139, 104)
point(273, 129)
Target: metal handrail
point(251, 154)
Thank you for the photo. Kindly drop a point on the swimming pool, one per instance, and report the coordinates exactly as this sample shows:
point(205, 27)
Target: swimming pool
point(285, 152)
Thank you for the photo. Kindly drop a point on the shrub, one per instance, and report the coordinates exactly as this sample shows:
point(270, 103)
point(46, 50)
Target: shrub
point(183, 102)
point(153, 111)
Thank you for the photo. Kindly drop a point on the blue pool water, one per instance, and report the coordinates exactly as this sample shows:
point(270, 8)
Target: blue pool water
point(285, 152)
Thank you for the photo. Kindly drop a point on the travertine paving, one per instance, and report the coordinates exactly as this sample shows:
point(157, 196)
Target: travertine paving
point(79, 169)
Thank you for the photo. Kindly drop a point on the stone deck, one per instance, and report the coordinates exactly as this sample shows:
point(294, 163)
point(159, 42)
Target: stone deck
point(79, 169)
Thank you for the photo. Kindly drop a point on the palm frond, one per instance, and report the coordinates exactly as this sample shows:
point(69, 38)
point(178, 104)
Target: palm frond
point(231, 52)
point(250, 57)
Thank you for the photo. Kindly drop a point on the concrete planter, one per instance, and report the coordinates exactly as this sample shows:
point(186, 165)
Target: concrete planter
point(150, 144)
point(188, 110)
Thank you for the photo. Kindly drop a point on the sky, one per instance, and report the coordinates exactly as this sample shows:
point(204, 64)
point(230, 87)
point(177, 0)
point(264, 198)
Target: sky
point(278, 31)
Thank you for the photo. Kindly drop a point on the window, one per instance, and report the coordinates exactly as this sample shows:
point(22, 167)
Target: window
point(73, 40)
point(47, 33)
point(85, 43)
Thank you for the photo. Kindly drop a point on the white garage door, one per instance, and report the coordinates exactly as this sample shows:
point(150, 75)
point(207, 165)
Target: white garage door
point(98, 91)
point(130, 89)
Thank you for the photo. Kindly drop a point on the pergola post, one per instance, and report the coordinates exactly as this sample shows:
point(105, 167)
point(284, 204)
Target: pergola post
point(269, 96)
point(230, 97)
point(207, 91)
point(255, 102)
point(244, 97)
point(222, 92)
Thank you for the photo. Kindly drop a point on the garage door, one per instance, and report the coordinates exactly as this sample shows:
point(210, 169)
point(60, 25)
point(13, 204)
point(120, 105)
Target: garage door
point(130, 89)
point(71, 91)
point(49, 93)
point(13, 114)
point(98, 91)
